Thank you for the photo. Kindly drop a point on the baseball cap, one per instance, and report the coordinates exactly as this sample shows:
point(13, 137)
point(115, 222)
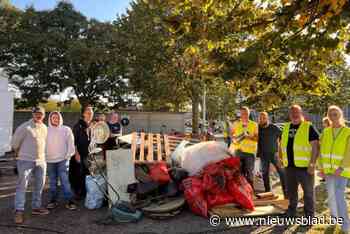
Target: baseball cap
point(38, 109)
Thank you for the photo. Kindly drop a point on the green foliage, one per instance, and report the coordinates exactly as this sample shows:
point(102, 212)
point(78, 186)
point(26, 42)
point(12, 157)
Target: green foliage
point(266, 54)
point(45, 52)
point(270, 50)
point(150, 70)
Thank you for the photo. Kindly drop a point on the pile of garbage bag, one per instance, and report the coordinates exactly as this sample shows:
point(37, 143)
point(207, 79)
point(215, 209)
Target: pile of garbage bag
point(218, 184)
point(205, 175)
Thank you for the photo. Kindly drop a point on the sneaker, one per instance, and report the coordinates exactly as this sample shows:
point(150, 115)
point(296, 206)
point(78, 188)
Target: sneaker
point(71, 205)
point(52, 205)
point(19, 217)
point(40, 211)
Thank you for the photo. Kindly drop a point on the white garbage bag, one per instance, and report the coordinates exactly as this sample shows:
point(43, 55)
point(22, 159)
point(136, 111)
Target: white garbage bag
point(95, 189)
point(196, 157)
point(176, 156)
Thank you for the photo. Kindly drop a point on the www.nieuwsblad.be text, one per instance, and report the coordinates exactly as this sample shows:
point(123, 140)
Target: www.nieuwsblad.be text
point(216, 220)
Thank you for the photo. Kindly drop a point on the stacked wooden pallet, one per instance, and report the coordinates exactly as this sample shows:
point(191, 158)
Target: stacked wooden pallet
point(148, 147)
point(265, 204)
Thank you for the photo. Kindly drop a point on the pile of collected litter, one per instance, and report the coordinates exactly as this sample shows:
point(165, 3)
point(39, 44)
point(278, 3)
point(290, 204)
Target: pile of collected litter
point(218, 184)
point(204, 175)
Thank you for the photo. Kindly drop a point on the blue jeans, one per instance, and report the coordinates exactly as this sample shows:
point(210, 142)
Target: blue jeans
point(55, 171)
point(336, 186)
point(25, 170)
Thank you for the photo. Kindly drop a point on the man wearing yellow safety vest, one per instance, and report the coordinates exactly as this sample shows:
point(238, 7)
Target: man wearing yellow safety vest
point(245, 143)
point(299, 149)
point(335, 164)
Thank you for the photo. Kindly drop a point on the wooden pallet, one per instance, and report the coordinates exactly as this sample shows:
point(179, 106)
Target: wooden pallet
point(149, 147)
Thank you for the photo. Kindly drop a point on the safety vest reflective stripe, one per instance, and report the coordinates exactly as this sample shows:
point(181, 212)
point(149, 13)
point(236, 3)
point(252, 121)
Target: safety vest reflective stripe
point(331, 168)
point(302, 148)
point(299, 148)
point(332, 156)
point(327, 165)
point(302, 158)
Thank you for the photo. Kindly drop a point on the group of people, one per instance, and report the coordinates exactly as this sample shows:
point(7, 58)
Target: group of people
point(296, 151)
point(60, 151)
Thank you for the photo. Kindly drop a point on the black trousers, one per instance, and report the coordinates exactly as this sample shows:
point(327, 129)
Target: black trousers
point(247, 166)
point(296, 177)
point(266, 160)
point(77, 175)
point(228, 141)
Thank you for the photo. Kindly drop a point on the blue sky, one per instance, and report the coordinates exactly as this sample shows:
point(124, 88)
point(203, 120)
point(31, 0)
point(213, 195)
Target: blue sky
point(104, 10)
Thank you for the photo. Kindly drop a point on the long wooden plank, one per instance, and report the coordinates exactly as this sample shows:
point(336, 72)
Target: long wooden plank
point(150, 148)
point(133, 145)
point(264, 202)
point(142, 147)
point(173, 144)
point(222, 211)
point(174, 138)
point(167, 148)
point(159, 148)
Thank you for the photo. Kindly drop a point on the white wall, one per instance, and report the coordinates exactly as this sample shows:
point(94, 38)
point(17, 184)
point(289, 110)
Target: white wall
point(6, 115)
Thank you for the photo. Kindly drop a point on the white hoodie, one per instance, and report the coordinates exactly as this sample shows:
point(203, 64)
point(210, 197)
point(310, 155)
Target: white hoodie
point(60, 142)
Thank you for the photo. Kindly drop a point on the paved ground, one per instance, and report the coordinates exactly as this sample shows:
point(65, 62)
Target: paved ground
point(84, 221)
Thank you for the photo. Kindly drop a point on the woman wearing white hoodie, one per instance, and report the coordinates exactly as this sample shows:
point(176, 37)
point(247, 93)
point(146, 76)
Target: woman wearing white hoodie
point(59, 149)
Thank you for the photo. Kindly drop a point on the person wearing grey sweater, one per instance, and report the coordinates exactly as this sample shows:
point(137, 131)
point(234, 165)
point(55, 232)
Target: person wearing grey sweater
point(59, 149)
point(29, 142)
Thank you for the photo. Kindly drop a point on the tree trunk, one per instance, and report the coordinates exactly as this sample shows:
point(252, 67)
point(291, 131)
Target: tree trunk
point(177, 107)
point(195, 113)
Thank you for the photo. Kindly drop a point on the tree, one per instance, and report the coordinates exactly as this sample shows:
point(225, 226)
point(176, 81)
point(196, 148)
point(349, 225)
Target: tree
point(268, 49)
point(220, 101)
point(45, 52)
point(5, 4)
point(147, 59)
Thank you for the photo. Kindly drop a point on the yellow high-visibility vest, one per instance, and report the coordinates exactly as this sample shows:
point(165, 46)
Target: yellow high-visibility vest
point(333, 150)
point(302, 148)
point(246, 145)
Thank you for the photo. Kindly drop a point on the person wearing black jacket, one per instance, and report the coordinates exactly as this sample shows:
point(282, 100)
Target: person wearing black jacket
point(78, 164)
point(269, 137)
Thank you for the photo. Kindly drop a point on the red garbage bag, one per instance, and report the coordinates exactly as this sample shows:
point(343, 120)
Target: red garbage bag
point(213, 178)
point(194, 196)
point(231, 162)
point(159, 172)
point(231, 167)
point(242, 192)
point(220, 198)
point(214, 183)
